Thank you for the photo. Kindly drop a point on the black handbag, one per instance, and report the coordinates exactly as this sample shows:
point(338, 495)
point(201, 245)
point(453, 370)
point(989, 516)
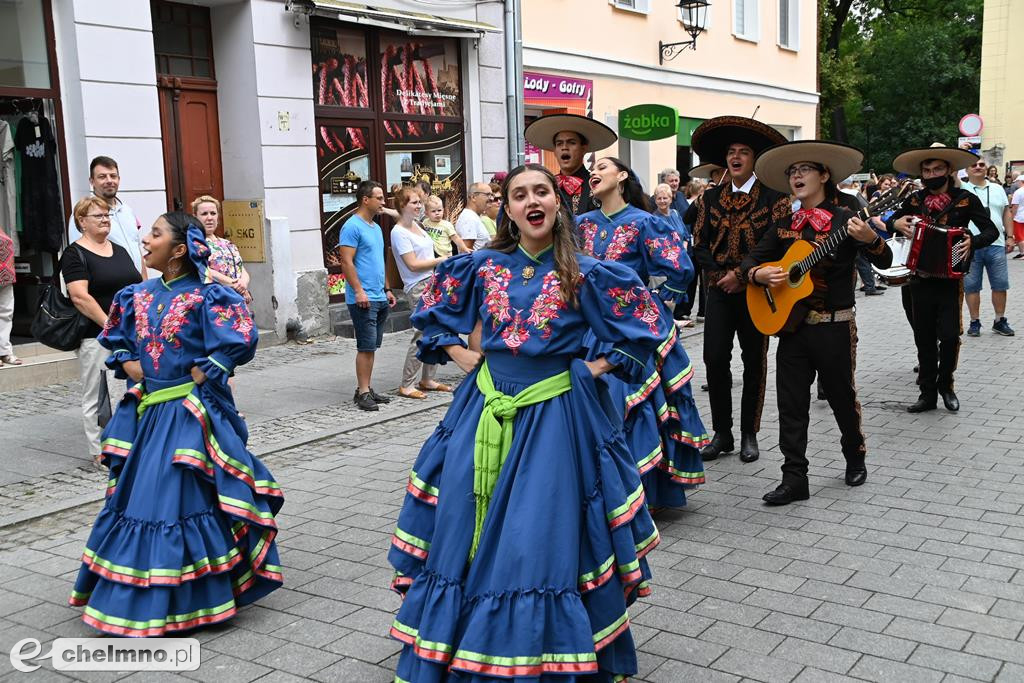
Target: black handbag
point(57, 323)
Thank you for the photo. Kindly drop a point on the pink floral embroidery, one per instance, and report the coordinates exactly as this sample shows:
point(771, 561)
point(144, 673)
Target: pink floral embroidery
point(644, 308)
point(496, 281)
point(434, 293)
point(142, 299)
point(545, 307)
point(515, 334)
point(155, 349)
point(588, 229)
point(237, 315)
point(177, 315)
point(622, 239)
point(113, 319)
point(669, 248)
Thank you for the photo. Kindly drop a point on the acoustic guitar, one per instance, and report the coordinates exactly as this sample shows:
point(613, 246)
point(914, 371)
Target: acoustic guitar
point(770, 307)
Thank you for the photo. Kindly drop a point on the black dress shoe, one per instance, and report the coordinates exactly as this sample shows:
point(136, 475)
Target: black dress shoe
point(921, 405)
point(950, 400)
point(784, 495)
point(856, 476)
point(720, 443)
point(748, 447)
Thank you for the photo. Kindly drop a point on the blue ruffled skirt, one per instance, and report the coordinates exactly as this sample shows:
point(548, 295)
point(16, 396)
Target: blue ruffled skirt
point(561, 553)
point(187, 532)
point(663, 428)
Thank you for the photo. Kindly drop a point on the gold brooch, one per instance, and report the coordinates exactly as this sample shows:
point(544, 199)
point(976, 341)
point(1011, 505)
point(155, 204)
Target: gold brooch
point(528, 273)
point(159, 309)
point(604, 234)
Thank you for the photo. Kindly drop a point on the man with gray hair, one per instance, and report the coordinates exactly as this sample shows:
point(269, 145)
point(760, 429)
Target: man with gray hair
point(671, 177)
point(469, 226)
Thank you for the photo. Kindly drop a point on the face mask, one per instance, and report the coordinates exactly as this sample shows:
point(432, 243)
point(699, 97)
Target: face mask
point(935, 183)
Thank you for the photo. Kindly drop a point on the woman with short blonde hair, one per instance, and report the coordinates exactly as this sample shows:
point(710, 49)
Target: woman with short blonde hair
point(225, 260)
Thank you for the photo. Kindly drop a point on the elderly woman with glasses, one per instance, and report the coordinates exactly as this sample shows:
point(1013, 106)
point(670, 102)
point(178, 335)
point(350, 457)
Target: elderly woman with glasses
point(95, 270)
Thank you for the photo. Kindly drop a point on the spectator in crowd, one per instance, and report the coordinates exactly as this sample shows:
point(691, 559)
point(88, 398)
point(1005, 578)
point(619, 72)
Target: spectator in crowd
point(671, 177)
point(993, 175)
point(105, 180)
point(441, 231)
point(414, 255)
point(95, 269)
point(490, 214)
point(663, 195)
point(226, 266)
point(991, 258)
point(1017, 213)
point(469, 226)
point(7, 276)
point(362, 261)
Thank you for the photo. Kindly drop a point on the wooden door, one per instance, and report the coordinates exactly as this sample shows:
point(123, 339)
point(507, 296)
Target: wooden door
point(191, 135)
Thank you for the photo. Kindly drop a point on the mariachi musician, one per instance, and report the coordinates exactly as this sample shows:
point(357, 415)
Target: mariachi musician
point(731, 218)
point(935, 301)
point(570, 137)
point(821, 333)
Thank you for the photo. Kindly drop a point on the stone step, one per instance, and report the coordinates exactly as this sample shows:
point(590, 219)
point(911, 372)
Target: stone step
point(43, 365)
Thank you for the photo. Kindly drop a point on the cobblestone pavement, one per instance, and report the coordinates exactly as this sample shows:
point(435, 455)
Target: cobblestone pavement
point(916, 576)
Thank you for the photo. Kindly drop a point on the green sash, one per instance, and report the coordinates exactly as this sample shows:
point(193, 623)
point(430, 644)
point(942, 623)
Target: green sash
point(164, 395)
point(494, 434)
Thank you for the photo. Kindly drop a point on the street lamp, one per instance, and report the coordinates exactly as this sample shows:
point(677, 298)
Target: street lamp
point(867, 110)
point(695, 16)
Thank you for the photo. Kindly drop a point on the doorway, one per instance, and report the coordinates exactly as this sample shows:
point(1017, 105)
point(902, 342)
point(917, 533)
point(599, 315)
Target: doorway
point(187, 90)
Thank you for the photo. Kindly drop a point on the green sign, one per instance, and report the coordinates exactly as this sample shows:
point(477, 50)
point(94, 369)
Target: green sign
point(686, 128)
point(648, 122)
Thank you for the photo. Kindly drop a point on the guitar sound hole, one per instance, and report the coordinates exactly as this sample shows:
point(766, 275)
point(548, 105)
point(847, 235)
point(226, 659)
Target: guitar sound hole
point(795, 274)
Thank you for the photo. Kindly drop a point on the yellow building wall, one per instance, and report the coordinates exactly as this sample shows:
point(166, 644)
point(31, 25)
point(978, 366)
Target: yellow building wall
point(618, 50)
point(1002, 100)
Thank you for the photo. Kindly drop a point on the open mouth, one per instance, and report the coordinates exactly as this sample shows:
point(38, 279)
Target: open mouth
point(565, 156)
point(535, 218)
point(594, 182)
point(798, 185)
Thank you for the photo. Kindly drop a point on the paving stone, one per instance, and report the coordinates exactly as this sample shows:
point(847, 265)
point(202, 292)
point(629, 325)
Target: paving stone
point(873, 643)
point(373, 649)
point(672, 621)
point(674, 671)
point(996, 648)
point(798, 627)
point(982, 623)
point(814, 654)
point(757, 667)
point(298, 659)
point(691, 650)
point(951, 661)
point(742, 637)
point(225, 668)
point(847, 595)
point(782, 602)
point(886, 671)
point(923, 632)
point(744, 615)
point(348, 669)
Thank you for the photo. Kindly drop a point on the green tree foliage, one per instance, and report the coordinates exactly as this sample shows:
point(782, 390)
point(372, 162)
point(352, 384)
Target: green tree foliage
point(916, 62)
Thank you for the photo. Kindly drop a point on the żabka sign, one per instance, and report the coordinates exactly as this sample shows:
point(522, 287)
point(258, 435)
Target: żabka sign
point(648, 122)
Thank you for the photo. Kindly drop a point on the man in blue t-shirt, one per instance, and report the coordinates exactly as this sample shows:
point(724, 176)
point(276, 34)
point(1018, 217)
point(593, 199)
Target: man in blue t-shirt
point(367, 295)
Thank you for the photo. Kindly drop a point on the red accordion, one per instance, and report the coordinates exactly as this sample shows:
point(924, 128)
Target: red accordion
point(931, 251)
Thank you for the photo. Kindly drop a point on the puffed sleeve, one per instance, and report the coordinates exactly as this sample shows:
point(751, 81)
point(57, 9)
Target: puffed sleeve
point(229, 335)
point(118, 335)
point(666, 257)
point(448, 307)
point(621, 311)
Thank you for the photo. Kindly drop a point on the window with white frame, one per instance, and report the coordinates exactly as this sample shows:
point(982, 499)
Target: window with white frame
point(789, 24)
point(707, 16)
point(632, 5)
point(746, 23)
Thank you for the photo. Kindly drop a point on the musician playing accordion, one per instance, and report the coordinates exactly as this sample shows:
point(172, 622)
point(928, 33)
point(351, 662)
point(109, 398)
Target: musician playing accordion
point(935, 294)
point(820, 334)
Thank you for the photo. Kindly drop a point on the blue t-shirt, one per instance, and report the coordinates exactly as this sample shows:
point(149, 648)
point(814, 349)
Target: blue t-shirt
point(368, 241)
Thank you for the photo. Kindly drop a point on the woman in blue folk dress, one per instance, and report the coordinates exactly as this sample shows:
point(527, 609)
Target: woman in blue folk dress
point(663, 428)
point(187, 532)
point(522, 538)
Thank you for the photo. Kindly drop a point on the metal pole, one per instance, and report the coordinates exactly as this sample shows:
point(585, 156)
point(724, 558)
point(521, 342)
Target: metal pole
point(514, 82)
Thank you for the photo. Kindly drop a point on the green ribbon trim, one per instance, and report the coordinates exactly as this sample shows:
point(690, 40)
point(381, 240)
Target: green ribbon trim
point(545, 658)
point(412, 540)
point(117, 443)
point(495, 431)
point(590, 576)
point(608, 630)
point(150, 573)
point(164, 395)
point(444, 648)
point(159, 623)
point(423, 486)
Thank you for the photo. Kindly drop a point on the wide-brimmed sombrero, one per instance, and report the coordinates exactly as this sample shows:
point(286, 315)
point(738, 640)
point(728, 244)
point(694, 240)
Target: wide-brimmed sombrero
point(704, 171)
point(841, 160)
point(541, 133)
point(910, 161)
point(712, 138)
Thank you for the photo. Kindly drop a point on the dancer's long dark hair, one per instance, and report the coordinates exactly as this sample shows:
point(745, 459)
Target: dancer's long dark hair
point(631, 189)
point(563, 241)
point(179, 222)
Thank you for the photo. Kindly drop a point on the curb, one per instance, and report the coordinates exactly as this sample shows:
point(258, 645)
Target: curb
point(261, 452)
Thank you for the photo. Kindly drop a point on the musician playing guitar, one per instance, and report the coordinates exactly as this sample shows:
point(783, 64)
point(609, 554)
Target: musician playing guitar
point(821, 335)
point(936, 302)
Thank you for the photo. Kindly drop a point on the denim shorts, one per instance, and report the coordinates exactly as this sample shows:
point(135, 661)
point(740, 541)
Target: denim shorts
point(369, 324)
point(993, 259)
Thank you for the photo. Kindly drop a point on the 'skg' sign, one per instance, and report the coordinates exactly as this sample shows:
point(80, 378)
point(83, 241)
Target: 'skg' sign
point(648, 122)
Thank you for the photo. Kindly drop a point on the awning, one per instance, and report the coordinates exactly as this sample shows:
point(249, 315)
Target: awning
point(413, 23)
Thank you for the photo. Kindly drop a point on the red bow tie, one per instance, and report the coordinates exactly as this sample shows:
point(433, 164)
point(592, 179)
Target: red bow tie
point(570, 184)
point(820, 219)
point(937, 202)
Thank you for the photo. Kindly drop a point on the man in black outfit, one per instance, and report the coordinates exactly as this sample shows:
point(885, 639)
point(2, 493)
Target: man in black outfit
point(820, 335)
point(570, 137)
point(936, 302)
point(731, 218)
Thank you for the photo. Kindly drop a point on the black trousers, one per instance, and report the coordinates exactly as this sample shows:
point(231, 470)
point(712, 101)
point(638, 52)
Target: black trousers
point(727, 316)
point(938, 323)
point(830, 350)
point(908, 303)
point(696, 285)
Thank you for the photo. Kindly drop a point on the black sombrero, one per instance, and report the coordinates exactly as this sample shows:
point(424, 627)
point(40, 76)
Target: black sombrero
point(712, 138)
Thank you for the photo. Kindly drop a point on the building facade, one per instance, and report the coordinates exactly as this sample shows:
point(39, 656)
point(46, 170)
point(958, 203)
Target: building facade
point(755, 58)
point(1001, 103)
point(279, 108)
